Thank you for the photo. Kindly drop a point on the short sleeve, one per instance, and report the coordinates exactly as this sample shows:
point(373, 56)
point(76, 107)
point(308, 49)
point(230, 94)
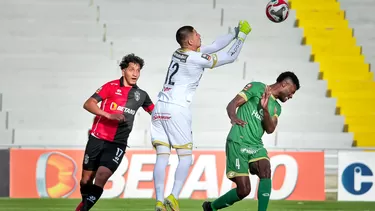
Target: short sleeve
point(102, 93)
point(204, 60)
point(248, 91)
point(275, 109)
point(148, 105)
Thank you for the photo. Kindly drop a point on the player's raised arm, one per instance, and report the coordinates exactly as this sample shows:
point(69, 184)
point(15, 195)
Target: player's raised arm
point(269, 121)
point(246, 93)
point(220, 43)
point(222, 57)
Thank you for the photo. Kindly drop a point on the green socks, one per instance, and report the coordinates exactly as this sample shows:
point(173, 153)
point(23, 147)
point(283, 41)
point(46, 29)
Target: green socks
point(228, 199)
point(225, 200)
point(264, 192)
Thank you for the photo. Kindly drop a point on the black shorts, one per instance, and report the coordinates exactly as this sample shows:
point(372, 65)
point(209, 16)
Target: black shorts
point(102, 153)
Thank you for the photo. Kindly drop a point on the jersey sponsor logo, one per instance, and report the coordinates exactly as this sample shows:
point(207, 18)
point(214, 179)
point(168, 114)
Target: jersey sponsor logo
point(249, 151)
point(258, 114)
point(129, 111)
point(161, 116)
point(137, 95)
point(180, 56)
point(115, 107)
point(166, 89)
point(248, 86)
point(206, 57)
point(235, 49)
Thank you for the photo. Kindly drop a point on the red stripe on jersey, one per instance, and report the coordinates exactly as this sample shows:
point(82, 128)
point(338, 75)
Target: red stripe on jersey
point(149, 108)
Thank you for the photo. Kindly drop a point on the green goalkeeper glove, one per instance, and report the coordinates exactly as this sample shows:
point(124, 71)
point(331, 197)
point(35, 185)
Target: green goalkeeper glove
point(244, 27)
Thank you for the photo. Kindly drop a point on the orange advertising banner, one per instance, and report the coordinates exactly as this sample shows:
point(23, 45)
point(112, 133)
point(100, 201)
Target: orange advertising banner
point(55, 173)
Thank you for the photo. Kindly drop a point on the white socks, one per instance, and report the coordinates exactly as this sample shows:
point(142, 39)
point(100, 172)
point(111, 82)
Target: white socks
point(159, 175)
point(181, 174)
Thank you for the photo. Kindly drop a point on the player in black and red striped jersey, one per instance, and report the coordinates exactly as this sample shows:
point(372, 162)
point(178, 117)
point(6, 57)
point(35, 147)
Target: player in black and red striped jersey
point(120, 99)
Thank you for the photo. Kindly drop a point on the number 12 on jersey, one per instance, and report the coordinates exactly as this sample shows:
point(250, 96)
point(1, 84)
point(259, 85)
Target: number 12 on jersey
point(172, 70)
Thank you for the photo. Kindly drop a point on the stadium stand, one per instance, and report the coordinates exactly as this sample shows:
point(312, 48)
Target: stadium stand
point(62, 59)
point(359, 112)
point(342, 62)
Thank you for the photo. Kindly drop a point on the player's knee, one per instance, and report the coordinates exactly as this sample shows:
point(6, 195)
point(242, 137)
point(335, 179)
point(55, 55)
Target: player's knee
point(161, 149)
point(87, 177)
point(264, 169)
point(102, 176)
point(184, 152)
point(243, 191)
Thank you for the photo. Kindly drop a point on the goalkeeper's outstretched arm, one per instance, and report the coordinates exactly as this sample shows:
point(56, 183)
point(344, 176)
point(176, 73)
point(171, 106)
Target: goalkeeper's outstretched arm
point(220, 43)
point(222, 57)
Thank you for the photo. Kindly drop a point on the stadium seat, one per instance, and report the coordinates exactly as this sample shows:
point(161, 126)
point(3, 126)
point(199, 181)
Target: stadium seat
point(6, 137)
point(314, 140)
point(3, 120)
point(62, 138)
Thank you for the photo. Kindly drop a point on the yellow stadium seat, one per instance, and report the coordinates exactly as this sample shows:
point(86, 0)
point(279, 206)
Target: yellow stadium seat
point(356, 111)
point(323, 57)
point(326, 5)
point(360, 120)
point(360, 128)
point(350, 85)
point(322, 32)
point(352, 94)
point(345, 66)
point(339, 50)
point(330, 41)
point(364, 103)
point(323, 24)
point(365, 139)
point(321, 14)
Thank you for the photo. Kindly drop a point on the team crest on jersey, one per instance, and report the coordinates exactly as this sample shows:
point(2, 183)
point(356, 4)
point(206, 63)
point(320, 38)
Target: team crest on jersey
point(248, 86)
point(206, 56)
point(98, 90)
point(137, 95)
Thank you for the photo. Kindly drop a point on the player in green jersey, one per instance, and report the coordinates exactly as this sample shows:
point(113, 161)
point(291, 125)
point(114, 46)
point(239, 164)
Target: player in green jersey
point(258, 111)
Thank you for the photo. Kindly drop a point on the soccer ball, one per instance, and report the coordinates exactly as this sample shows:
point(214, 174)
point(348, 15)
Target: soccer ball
point(277, 10)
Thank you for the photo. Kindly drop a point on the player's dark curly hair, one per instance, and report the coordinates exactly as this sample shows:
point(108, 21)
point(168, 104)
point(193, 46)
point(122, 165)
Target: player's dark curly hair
point(131, 58)
point(288, 75)
point(182, 33)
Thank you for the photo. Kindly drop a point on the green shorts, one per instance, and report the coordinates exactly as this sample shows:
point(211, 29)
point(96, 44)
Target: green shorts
point(240, 156)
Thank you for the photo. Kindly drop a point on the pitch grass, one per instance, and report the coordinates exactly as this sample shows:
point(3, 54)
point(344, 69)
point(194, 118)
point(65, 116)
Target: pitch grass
point(185, 205)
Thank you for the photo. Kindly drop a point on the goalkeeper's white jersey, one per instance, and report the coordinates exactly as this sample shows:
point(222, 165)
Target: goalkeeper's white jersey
point(183, 76)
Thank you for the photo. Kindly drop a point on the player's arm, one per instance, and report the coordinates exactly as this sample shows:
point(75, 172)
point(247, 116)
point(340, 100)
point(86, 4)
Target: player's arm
point(269, 122)
point(220, 43)
point(246, 93)
point(148, 105)
point(222, 57)
point(91, 104)
point(269, 119)
point(232, 108)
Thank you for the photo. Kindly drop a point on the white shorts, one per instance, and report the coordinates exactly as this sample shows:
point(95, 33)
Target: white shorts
point(171, 126)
